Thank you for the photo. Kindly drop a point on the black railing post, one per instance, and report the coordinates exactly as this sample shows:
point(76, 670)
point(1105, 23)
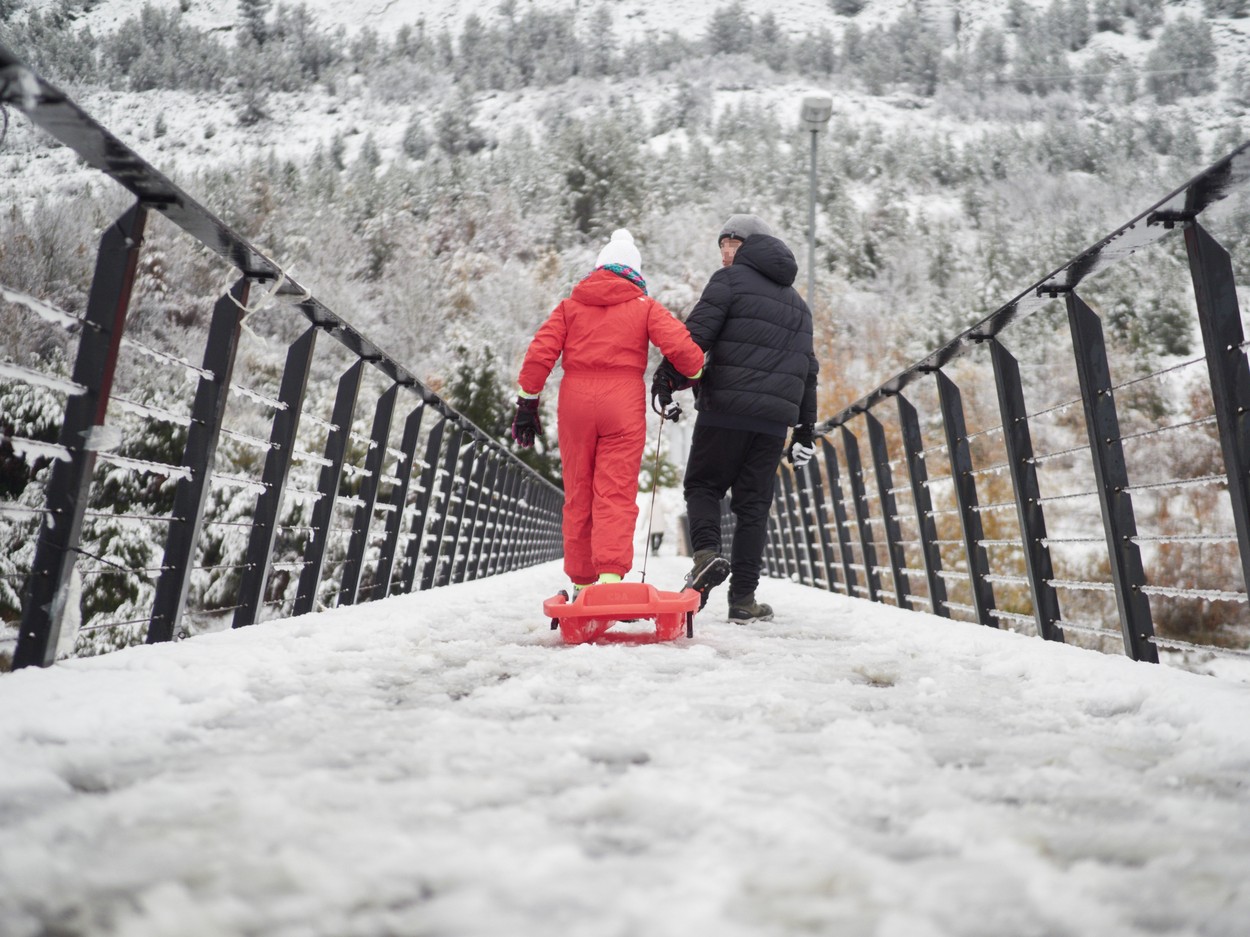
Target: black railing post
point(264, 533)
point(1223, 338)
point(518, 535)
point(965, 485)
point(552, 546)
point(69, 484)
point(1111, 477)
point(530, 513)
point(436, 528)
point(839, 514)
point(421, 509)
point(543, 540)
point(774, 564)
point(918, 474)
point(469, 529)
point(375, 462)
point(889, 509)
point(788, 519)
point(207, 413)
point(460, 500)
point(526, 517)
point(398, 498)
point(812, 541)
point(1019, 445)
point(555, 539)
point(503, 550)
point(855, 475)
point(821, 516)
point(512, 530)
point(328, 489)
point(484, 527)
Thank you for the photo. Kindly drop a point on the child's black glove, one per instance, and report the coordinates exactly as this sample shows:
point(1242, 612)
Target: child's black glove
point(664, 382)
point(526, 425)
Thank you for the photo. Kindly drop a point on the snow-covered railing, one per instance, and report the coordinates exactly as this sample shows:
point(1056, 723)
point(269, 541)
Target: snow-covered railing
point(330, 514)
point(981, 532)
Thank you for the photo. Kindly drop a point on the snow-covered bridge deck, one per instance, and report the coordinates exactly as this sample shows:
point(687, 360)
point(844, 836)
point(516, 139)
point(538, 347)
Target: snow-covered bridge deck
point(439, 763)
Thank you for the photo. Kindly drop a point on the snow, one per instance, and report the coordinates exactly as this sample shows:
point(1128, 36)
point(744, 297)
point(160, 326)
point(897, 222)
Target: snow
point(441, 763)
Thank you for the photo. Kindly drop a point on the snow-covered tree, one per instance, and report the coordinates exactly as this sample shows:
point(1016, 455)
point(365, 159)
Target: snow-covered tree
point(252, 17)
point(1182, 62)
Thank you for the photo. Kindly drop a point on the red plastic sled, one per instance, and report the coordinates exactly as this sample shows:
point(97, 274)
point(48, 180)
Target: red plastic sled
point(597, 608)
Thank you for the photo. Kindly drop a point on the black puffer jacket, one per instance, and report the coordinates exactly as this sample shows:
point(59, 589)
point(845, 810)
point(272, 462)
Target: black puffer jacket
point(761, 374)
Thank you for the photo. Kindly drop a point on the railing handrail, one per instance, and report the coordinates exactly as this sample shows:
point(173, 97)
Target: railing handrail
point(442, 534)
point(54, 112)
point(1137, 571)
point(1185, 203)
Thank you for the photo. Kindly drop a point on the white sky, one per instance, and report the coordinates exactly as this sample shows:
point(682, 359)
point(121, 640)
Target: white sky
point(442, 764)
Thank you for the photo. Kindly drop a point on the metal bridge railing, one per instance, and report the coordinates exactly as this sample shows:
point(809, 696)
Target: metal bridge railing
point(1032, 521)
point(333, 515)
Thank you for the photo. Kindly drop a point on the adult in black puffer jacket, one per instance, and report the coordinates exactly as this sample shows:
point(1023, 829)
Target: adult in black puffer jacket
point(762, 370)
point(760, 380)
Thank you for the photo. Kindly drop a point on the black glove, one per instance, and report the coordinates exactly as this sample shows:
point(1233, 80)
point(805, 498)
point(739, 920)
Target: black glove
point(526, 425)
point(802, 445)
point(671, 377)
point(664, 404)
point(664, 382)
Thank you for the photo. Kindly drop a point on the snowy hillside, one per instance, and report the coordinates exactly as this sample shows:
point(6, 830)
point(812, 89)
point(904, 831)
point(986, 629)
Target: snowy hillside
point(643, 17)
point(202, 129)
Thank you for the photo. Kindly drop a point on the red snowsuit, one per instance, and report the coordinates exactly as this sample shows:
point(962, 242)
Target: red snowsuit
point(603, 330)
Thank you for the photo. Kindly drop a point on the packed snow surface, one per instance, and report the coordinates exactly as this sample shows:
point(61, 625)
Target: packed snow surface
point(441, 763)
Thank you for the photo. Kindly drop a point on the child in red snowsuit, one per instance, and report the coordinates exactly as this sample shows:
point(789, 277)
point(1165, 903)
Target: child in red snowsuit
point(603, 331)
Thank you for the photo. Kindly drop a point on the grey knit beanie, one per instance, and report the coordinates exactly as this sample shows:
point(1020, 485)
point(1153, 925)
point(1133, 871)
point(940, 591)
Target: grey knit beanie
point(741, 227)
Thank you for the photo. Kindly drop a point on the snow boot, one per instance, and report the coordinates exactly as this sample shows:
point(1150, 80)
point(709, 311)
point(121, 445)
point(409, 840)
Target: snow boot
point(744, 610)
point(709, 571)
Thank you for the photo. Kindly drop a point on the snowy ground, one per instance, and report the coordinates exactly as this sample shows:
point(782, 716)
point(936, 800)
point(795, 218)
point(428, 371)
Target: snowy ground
point(441, 764)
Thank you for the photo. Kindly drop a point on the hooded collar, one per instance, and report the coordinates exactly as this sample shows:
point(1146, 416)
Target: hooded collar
point(770, 256)
point(602, 287)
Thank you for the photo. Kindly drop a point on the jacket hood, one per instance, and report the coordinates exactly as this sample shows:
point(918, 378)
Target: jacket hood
point(770, 256)
point(604, 288)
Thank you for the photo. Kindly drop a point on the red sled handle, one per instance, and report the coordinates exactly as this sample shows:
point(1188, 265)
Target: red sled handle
point(620, 600)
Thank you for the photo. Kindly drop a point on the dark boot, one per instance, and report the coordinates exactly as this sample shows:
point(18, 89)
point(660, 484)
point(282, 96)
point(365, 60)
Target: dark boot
point(709, 571)
point(745, 610)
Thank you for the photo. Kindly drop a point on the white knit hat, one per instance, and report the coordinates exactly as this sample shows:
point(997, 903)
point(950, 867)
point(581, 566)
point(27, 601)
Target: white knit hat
point(621, 250)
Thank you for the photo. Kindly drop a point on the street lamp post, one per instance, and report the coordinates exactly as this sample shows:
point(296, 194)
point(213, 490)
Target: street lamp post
point(815, 114)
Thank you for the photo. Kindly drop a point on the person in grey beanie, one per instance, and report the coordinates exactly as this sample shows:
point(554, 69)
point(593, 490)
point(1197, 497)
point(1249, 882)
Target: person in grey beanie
point(759, 380)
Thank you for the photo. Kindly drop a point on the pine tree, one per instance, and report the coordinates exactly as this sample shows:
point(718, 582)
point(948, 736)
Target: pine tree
point(416, 141)
point(598, 49)
point(1147, 14)
point(769, 45)
point(477, 393)
point(1080, 29)
point(730, 30)
point(602, 165)
point(1108, 15)
point(1233, 9)
point(454, 129)
point(252, 16)
point(815, 55)
point(1182, 62)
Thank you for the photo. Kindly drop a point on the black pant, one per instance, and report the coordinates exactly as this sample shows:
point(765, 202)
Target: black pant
point(744, 463)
